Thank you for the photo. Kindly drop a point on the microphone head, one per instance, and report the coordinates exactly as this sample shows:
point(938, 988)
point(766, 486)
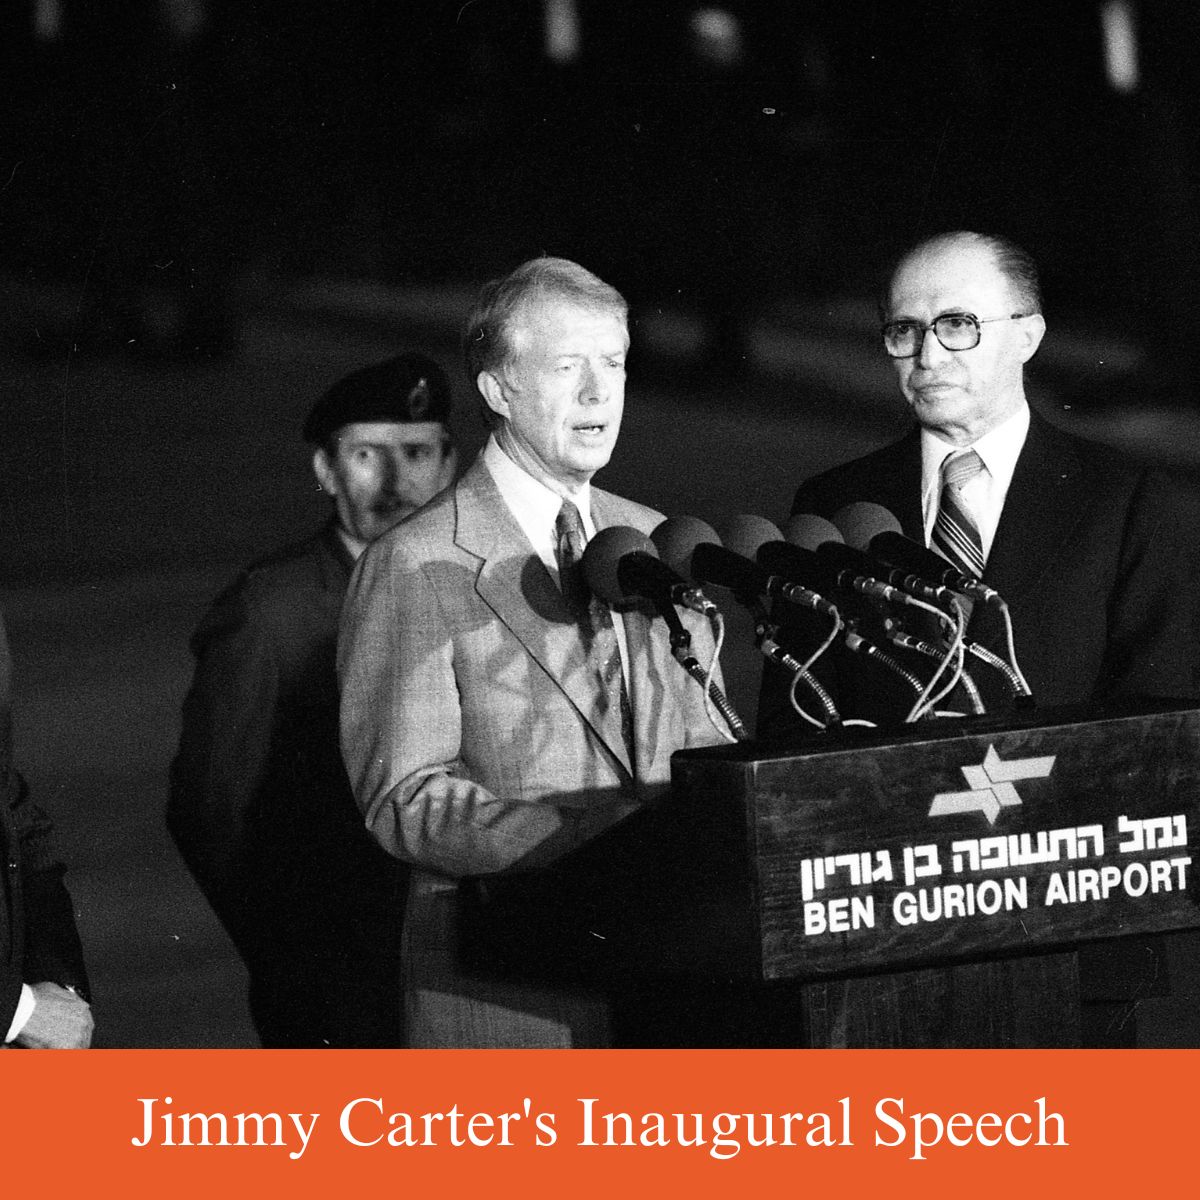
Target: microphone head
point(726, 568)
point(799, 566)
point(604, 552)
point(809, 532)
point(913, 557)
point(792, 562)
point(841, 557)
point(861, 521)
point(744, 534)
point(677, 537)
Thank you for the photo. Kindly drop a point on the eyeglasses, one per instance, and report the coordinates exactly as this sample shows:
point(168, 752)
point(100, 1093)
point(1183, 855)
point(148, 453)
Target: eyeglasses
point(955, 331)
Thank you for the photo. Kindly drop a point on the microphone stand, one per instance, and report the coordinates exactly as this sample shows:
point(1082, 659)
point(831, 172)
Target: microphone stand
point(899, 638)
point(681, 651)
point(1015, 683)
point(860, 645)
point(765, 635)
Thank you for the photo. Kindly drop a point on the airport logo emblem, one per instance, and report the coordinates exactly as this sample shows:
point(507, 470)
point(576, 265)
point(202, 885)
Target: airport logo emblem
point(991, 785)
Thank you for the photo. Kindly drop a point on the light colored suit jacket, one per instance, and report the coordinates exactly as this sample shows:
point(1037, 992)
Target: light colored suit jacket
point(471, 732)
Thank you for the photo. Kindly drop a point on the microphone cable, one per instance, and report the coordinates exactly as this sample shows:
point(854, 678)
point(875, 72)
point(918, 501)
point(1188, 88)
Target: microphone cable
point(711, 691)
point(905, 640)
point(765, 638)
point(1012, 649)
point(714, 697)
point(926, 700)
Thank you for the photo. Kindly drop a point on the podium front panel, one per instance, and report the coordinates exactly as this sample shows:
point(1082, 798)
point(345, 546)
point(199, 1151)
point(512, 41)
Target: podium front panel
point(965, 844)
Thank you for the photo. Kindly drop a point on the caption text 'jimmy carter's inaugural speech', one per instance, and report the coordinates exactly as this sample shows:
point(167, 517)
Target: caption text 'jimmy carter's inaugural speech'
point(368, 1122)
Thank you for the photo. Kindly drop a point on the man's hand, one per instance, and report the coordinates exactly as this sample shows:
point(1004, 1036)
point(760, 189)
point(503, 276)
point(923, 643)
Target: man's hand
point(60, 1020)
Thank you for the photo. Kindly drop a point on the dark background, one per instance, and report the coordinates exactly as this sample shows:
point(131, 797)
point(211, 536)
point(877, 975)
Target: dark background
point(179, 144)
point(211, 210)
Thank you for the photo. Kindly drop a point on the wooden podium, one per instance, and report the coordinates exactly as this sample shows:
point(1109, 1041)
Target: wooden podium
point(941, 887)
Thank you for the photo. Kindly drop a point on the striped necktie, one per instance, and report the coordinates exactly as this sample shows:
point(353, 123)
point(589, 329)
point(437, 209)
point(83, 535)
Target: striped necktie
point(595, 621)
point(955, 535)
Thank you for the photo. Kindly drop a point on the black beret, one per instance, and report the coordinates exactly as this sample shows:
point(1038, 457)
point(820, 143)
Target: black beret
point(409, 387)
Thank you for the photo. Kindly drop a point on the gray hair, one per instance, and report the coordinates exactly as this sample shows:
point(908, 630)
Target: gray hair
point(488, 340)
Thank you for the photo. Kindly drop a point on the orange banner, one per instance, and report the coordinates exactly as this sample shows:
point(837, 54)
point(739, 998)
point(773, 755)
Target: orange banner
point(641, 1123)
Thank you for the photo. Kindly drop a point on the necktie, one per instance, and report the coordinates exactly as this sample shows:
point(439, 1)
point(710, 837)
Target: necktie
point(595, 622)
point(955, 535)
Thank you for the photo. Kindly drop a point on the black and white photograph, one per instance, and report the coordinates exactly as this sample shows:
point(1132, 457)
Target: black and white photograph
point(563, 523)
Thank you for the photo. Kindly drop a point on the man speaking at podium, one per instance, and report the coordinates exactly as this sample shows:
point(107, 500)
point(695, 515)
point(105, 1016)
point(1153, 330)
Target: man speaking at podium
point(493, 717)
point(1085, 545)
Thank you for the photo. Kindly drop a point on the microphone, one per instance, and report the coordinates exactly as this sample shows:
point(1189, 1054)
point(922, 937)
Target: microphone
point(602, 554)
point(809, 532)
point(864, 520)
point(869, 575)
point(621, 564)
point(911, 556)
point(746, 579)
point(798, 565)
point(773, 575)
point(675, 540)
point(744, 534)
point(841, 567)
point(677, 537)
point(643, 574)
point(861, 521)
point(603, 558)
point(858, 522)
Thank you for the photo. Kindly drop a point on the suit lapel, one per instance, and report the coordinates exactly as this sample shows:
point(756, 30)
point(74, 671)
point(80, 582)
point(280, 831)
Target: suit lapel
point(514, 583)
point(1043, 504)
point(899, 489)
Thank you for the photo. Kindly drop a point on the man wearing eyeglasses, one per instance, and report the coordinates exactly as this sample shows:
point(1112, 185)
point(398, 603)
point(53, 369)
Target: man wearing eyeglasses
point(1087, 547)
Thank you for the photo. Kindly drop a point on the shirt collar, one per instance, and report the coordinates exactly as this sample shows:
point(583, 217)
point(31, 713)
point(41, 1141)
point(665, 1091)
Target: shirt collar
point(999, 449)
point(531, 501)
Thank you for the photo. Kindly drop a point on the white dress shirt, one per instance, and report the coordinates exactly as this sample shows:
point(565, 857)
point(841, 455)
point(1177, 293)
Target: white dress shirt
point(985, 494)
point(535, 507)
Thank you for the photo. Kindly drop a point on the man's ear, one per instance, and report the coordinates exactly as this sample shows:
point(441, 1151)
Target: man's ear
point(1034, 329)
point(492, 390)
point(323, 470)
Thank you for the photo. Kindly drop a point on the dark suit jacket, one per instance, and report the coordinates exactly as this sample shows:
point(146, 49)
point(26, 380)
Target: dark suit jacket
point(262, 812)
point(1090, 554)
point(1098, 570)
point(38, 938)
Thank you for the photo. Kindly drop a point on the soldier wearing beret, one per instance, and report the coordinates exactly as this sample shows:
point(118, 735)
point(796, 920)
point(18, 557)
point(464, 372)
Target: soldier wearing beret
point(259, 805)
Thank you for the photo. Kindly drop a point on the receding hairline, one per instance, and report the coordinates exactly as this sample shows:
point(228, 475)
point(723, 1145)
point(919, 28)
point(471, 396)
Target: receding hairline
point(1011, 262)
point(943, 243)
